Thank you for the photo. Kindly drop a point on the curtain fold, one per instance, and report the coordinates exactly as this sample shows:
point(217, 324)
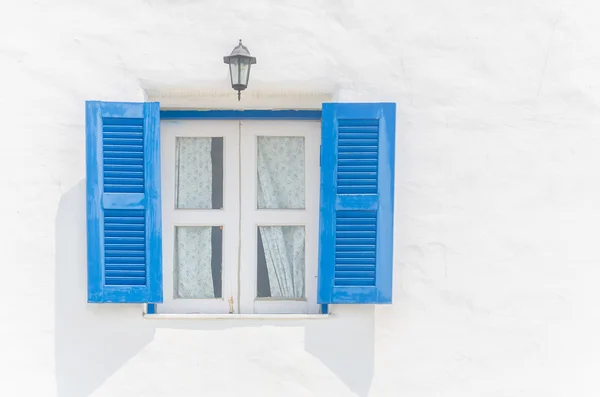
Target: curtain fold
point(281, 186)
point(280, 167)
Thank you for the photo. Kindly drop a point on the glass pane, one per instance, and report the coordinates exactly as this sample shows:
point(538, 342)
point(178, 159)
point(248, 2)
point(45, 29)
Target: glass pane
point(199, 173)
point(244, 67)
point(280, 262)
point(198, 254)
point(280, 172)
point(235, 77)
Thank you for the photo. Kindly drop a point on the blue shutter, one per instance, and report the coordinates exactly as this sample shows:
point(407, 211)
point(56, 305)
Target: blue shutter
point(123, 202)
point(357, 203)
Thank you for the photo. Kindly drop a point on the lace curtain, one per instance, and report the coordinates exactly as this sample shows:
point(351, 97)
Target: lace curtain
point(193, 271)
point(281, 186)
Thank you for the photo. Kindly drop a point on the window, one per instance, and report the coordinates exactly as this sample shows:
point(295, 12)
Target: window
point(240, 221)
point(244, 216)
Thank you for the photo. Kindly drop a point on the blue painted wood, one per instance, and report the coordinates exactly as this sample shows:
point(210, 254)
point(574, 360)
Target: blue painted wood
point(348, 202)
point(93, 202)
point(123, 202)
point(357, 203)
point(151, 308)
point(153, 205)
point(240, 115)
point(324, 309)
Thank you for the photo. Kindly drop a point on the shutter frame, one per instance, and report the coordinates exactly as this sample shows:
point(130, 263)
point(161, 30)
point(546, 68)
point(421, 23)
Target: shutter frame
point(355, 202)
point(129, 206)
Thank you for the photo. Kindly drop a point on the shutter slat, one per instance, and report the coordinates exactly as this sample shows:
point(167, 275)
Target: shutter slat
point(123, 138)
point(356, 190)
point(125, 281)
point(354, 247)
point(109, 233)
point(359, 123)
point(356, 254)
point(126, 272)
point(356, 227)
point(125, 168)
point(122, 145)
point(355, 221)
point(124, 247)
point(123, 180)
point(116, 227)
point(121, 135)
point(123, 174)
point(355, 281)
point(356, 233)
point(354, 268)
point(354, 240)
point(346, 155)
point(357, 162)
point(123, 240)
point(357, 174)
point(111, 187)
point(123, 155)
point(360, 142)
point(125, 267)
point(113, 260)
point(119, 254)
point(124, 161)
point(123, 189)
point(354, 260)
point(119, 220)
point(357, 182)
point(356, 274)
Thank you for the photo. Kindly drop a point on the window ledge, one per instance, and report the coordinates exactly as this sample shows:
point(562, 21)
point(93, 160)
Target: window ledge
point(198, 316)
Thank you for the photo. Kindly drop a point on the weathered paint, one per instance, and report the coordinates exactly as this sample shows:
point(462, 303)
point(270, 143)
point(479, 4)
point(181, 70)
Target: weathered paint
point(497, 204)
point(120, 204)
point(366, 206)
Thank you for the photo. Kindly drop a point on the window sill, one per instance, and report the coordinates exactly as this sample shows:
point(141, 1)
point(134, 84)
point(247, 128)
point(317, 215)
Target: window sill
point(198, 316)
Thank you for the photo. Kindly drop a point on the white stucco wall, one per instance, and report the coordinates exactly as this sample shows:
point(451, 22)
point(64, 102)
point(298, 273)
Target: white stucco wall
point(497, 196)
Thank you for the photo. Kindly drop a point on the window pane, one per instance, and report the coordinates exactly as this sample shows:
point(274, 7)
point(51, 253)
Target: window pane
point(280, 172)
point(197, 270)
point(280, 269)
point(199, 173)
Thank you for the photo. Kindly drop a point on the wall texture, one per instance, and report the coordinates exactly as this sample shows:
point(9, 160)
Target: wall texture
point(497, 196)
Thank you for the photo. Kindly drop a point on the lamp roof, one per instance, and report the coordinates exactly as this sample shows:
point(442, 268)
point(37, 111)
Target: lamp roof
point(240, 51)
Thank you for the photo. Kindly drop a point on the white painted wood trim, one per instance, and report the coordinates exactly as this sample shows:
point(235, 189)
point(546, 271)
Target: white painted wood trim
point(253, 217)
point(198, 316)
point(257, 96)
point(228, 217)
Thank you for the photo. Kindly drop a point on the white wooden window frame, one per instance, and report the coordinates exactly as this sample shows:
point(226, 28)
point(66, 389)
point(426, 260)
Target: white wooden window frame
point(240, 216)
point(252, 217)
point(228, 217)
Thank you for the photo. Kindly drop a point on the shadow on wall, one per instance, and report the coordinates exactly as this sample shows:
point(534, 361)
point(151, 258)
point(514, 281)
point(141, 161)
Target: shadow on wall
point(91, 341)
point(346, 345)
